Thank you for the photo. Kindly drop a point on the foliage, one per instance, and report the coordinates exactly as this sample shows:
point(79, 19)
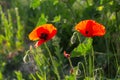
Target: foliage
point(90, 58)
point(82, 48)
point(11, 41)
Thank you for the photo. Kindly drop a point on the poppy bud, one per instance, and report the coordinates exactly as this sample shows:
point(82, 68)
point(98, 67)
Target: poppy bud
point(66, 54)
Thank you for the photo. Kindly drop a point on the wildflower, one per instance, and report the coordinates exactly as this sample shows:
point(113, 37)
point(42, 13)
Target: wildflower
point(90, 28)
point(43, 33)
point(66, 54)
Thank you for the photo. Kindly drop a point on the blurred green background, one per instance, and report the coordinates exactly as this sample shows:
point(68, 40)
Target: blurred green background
point(19, 17)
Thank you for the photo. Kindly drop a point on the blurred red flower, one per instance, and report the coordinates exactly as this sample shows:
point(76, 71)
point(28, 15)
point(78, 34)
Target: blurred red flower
point(90, 28)
point(43, 33)
point(66, 54)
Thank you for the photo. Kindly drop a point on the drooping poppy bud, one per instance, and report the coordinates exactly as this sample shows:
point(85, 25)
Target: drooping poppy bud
point(66, 54)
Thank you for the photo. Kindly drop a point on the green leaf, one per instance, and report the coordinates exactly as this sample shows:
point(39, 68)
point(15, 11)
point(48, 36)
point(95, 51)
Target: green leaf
point(82, 48)
point(20, 31)
point(101, 2)
point(55, 2)
point(1, 76)
point(35, 3)
point(42, 19)
point(57, 18)
point(33, 77)
point(39, 76)
point(19, 75)
point(71, 77)
point(1, 38)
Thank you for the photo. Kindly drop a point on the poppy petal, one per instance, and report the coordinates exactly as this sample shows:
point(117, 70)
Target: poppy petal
point(90, 28)
point(43, 33)
point(42, 30)
point(84, 28)
point(99, 30)
point(33, 35)
point(38, 43)
point(52, 33)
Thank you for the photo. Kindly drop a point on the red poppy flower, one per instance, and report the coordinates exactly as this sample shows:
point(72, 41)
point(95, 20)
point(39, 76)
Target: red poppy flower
point(90, 28)
point(43, 33)
point(66, 54)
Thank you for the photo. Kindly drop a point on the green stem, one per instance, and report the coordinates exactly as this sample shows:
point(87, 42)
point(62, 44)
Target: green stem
point(78, 37)
point(93, 59)
point(116, 15)
point(83, 68)
point(117, 73)
point(86, 64)
point(72, 67)
point(70, 62)
point(117, 24)
point(90, 65)
point(108, 52)
point(87, 2)
point(115, 55)
point(55, 68)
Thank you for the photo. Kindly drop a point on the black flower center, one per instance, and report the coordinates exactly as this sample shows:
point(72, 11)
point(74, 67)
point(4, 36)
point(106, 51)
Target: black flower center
point(44, 36)
point(86, 32)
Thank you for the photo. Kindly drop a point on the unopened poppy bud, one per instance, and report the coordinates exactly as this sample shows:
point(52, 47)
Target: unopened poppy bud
point(66, 55)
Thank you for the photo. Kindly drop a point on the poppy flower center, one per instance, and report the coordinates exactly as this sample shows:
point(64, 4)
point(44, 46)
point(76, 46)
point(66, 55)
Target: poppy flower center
point(86, 32)
point(44, 36)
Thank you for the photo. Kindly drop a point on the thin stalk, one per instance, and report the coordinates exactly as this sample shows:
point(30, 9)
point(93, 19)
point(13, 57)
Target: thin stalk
point(83, 68)
point(99, 71)
point(55, 68)
point(93, 59)
point(115, 55)
point(117, 73)
point(90, 65)
point(117, 22)
point(78, 37)
point(70, 62)
point(116, 60)
point(87, 2)
point(108, 57)
point(71, 67)
point(86, 64)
